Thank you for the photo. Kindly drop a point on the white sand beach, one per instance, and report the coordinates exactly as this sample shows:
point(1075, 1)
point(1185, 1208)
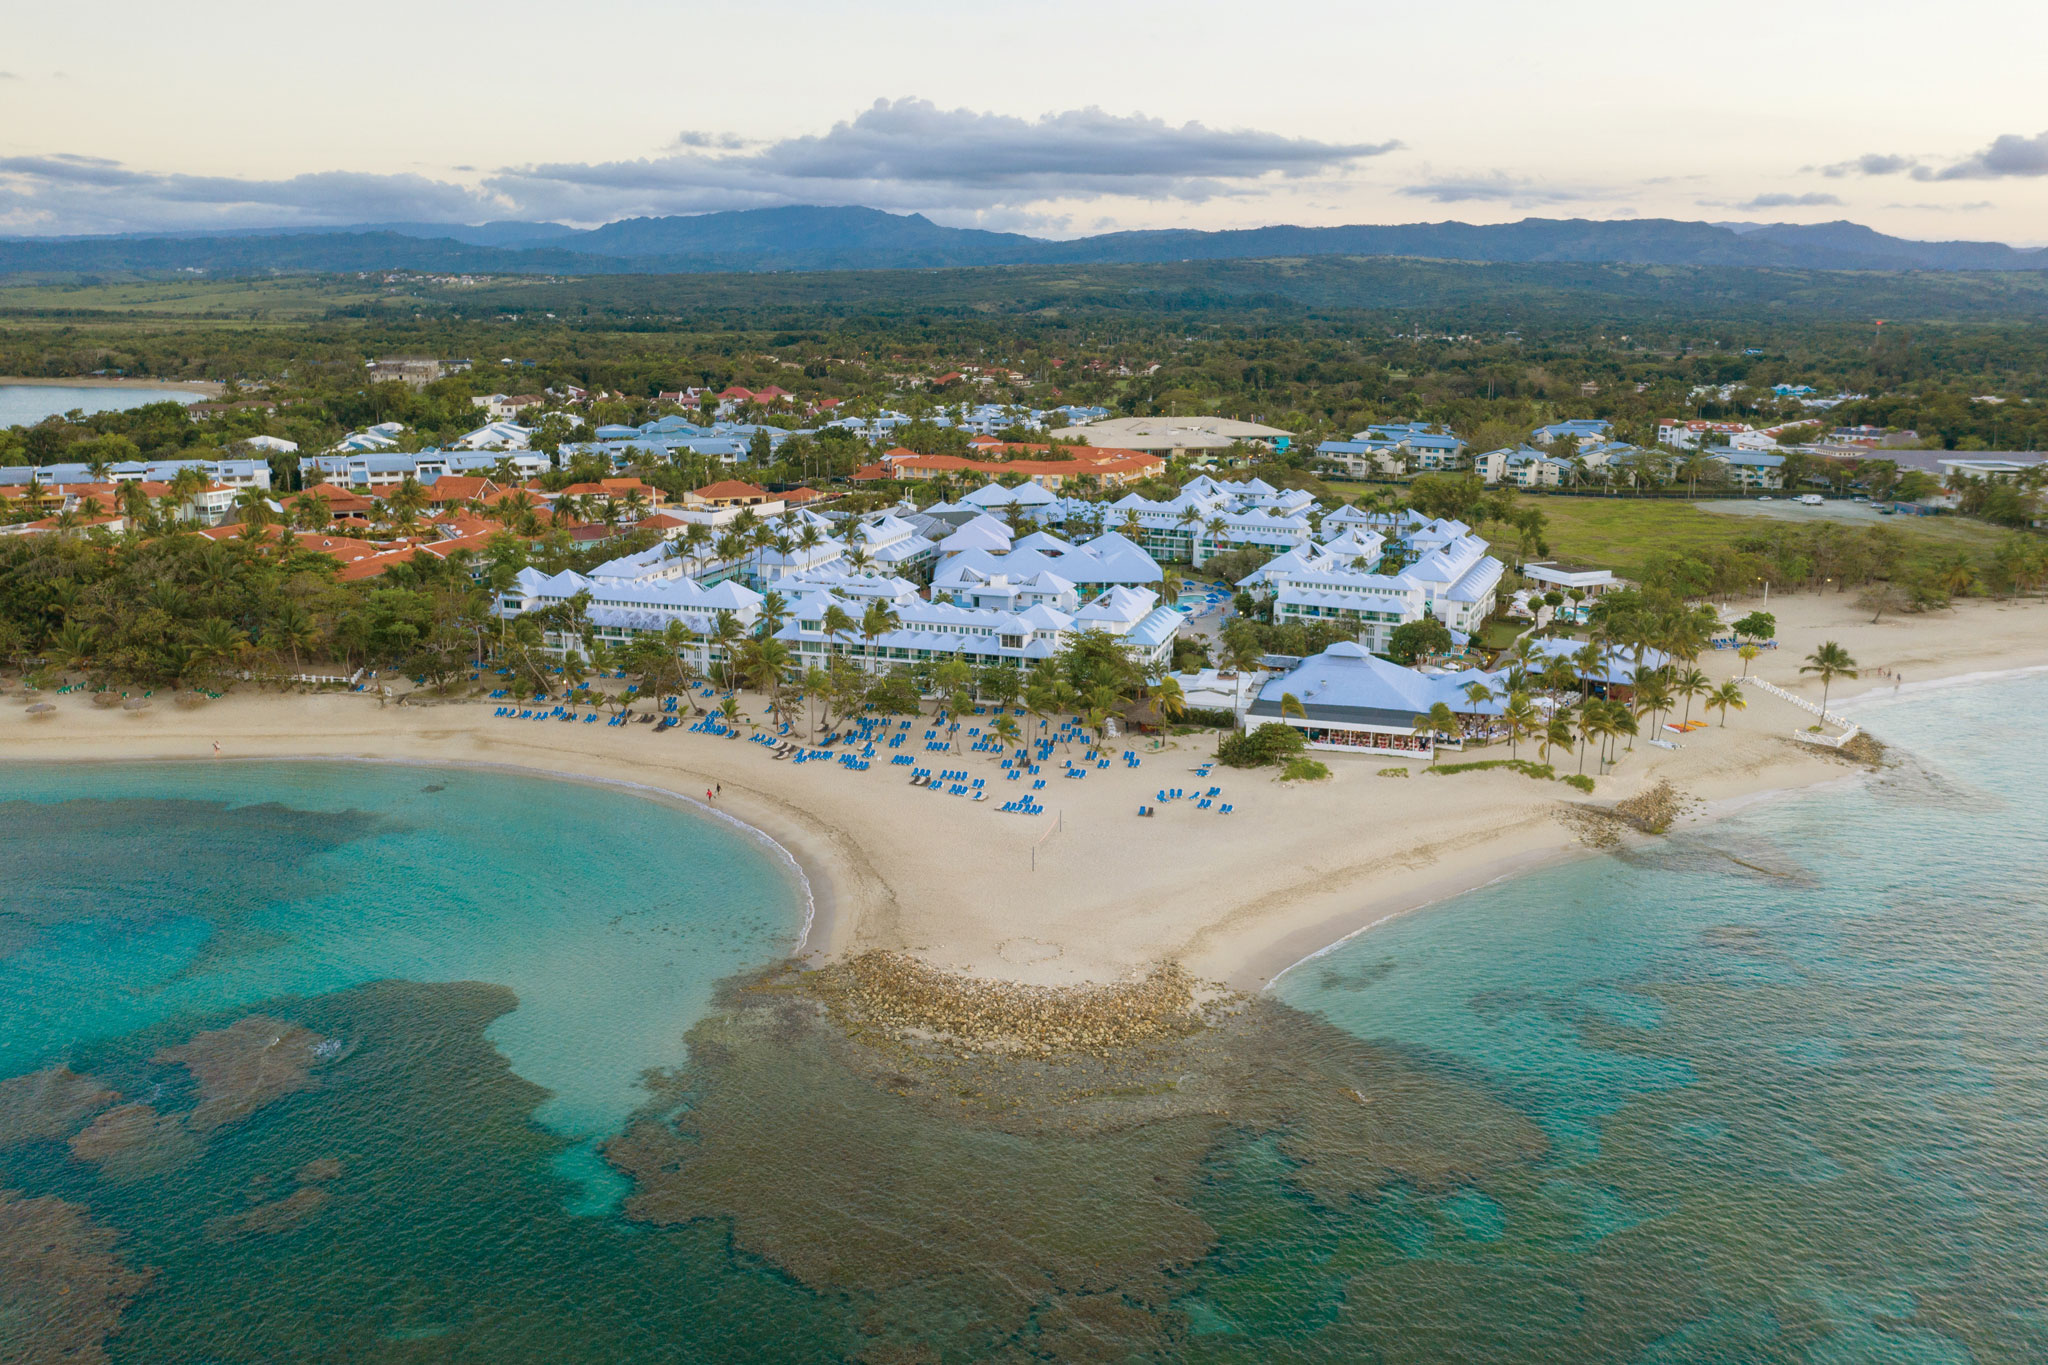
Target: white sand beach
point(1235, 898)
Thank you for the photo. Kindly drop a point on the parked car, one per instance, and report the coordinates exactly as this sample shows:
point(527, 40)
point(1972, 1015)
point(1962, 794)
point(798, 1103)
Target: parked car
point(1811, 499)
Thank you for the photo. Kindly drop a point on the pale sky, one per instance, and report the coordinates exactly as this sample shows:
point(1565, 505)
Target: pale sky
point(1056, 118)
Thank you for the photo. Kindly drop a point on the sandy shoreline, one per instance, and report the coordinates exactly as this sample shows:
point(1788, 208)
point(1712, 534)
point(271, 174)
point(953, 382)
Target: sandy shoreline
point(208, 387)
point(1236, 898)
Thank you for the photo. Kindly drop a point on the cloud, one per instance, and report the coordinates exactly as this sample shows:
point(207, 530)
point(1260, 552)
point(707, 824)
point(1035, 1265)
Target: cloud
point(911, 154)
point(2009, 155)
point(906, 155)
point(1874, 163)
point(1497, 187)
point(1811, 200)
point(1978, 207)
point(694, 138)
point(69, 193)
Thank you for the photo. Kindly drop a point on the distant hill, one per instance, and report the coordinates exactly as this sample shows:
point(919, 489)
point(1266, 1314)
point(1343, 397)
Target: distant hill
point(809, 238)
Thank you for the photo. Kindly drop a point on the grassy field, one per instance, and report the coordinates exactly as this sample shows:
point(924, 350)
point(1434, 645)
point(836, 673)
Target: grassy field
point(1618, 533)
point(283, 300)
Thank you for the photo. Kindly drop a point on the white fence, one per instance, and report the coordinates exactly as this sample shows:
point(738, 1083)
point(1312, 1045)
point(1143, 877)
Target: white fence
point(350, 680)
point(1849, 728)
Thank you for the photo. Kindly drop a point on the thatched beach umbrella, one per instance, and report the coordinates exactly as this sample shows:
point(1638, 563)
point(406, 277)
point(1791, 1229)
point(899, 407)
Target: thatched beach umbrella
point(135, 703)
point(42, 708)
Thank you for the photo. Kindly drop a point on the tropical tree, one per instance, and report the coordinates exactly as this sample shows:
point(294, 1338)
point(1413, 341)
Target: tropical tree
point(1168, 699)
point(1590, 722)
point(1557, 734)
point(1440, 720)
point(1521, 719)
point(1689, 684)
point(1728, 695)
point(1748, 652)
point(878, 620)
point(838, 623)
point(1830, 662)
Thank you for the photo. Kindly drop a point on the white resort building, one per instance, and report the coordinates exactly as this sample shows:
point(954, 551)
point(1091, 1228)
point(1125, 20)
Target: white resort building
point(1352, 702)
point(621, 609)
point(1443, 571)
point(1016, 635)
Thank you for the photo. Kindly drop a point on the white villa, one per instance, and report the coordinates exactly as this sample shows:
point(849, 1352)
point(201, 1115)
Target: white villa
point(1203, 520)
point(1447, 573)
point(1011, 633)
point(623, 608)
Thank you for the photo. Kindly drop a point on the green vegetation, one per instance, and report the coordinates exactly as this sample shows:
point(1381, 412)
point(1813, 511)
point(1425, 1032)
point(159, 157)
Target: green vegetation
point(1394, 772)
point(1636, 537)
point(1270, 743)
point(1303, 770)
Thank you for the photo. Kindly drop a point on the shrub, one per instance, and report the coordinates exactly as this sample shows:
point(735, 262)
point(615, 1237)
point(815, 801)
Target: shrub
point(1212, 718)
point(1579, 780)
point(1270, 743)
point(1301, 769)
point(1413, 639)
point(1542, 772)
point(1393, 772)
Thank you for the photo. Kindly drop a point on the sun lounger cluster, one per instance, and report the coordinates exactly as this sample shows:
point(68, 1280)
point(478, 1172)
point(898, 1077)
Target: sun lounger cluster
point(1203, 800)
point(953, 782)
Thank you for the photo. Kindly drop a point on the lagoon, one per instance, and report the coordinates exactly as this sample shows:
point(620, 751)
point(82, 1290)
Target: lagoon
point(25, 404)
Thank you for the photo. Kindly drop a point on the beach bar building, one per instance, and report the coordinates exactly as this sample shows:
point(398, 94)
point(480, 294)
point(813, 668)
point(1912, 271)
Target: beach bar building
point(1353, 702)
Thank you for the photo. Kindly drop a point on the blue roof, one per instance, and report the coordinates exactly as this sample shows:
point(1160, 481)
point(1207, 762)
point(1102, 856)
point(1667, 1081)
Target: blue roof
point(1347, 682)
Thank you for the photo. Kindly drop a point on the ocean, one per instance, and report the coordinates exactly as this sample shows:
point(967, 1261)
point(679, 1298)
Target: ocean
point(384, 1063)
point(26, 404)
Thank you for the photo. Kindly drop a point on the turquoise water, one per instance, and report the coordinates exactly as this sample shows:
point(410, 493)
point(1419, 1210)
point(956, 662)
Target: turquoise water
point(26, 404)
point(1821, 1078)
point(1773, 1090)
point(152, 893)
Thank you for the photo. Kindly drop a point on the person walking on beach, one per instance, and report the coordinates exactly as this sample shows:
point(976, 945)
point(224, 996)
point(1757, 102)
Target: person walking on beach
point(216, 748)
point(718, 788)
point(707, 794)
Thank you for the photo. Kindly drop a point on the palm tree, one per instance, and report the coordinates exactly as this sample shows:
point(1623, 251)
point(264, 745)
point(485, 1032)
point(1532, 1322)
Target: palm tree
point(1590, 721)
point(1957, 576)
point(1478, 694)
point(253, 507)
point(1591, 663)
point(1748, 652)
point(774, 611)
point(878, 620)
point(1521, 720)
point(1557, 734)
point(1689, 684)
point(1652, 698)
point(1728, 694)
point(1169, 700)
point(1830, 661)
point(1440, 721)
point(1290, 705)
point(1621, 724)
point(764, 664)
point(838, 622)
point(726, 633)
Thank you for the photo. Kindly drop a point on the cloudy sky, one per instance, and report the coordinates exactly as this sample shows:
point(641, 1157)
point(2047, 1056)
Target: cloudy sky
point(1053, 117)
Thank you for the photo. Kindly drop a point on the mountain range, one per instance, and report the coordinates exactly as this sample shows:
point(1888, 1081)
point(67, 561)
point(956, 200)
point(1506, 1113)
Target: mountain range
point(808, 238)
